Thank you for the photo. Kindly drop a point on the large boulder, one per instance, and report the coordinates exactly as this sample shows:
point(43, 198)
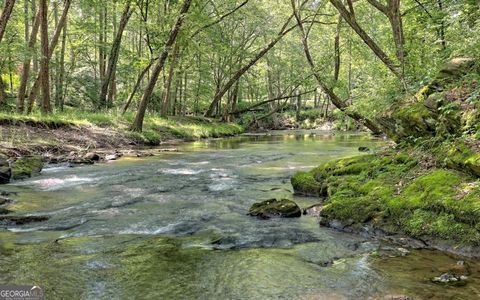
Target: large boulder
point(5, 170)
point(26, 167)
point(275, 208)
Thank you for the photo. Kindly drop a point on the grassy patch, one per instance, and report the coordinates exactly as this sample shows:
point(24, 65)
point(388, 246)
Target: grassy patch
point(156, 128)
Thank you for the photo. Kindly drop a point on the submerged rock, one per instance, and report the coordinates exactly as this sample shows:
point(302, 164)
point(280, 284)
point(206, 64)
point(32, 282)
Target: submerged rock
point(5, 170)
point(275, 208)
point(4, 200)
point(21, 220)
point(26, 167)
point(451, 279)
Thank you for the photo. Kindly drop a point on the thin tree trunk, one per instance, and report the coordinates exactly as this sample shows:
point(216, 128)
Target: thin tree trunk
point(341, 105)
point(218, 97)
point(3, 95)
point(53, 43)
point(136, 87)
point(113, 58)
point(44, 63)
point(6, 13)
point(26, 65)
point(61, 76)
point(349, 17)
point(138, 123)
point(168, 84)
point(337, 49)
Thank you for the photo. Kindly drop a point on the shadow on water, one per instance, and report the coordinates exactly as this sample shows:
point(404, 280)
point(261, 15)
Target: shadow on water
point(174, 226)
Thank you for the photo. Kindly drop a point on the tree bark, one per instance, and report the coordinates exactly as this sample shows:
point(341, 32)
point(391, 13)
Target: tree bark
point(61, 80)
point(26, 65)
point(349, 17)
point(337, 49)
point(136, 87)
point(3, 94)
point(6, 13)
point(138, 123)
point(168, 85)
point(113, 58)
point(44, 62)
point(392, 12)
point(53, 43)
point(219, 95)
point(339, 103)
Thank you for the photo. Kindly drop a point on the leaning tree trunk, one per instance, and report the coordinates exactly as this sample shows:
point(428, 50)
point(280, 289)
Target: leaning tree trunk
point(349, 17)
point(394, 15)
point(53, 43)
point(219, 95)
point(113, 58)
point(339, 103)
point(138, 123)
point(6, 13)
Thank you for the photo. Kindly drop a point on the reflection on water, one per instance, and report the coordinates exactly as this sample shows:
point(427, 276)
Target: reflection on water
point(174, 226)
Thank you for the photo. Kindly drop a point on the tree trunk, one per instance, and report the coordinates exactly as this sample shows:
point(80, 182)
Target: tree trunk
point(218, 97)
point(3, 95)
point(113, 58)
point(51, 48)
point(136, 87)
point(341, 105)
point(350, 19)
point(138, 123)
point(337, 49)
point(6, 13)
point(44, 62)
point(168, 84)
point(61, 76)
point(26, 65)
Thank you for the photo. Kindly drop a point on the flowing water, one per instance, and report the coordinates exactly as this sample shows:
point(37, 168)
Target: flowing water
point(174, 226)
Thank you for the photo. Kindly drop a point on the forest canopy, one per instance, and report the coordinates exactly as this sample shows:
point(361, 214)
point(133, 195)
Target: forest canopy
point(216, 58)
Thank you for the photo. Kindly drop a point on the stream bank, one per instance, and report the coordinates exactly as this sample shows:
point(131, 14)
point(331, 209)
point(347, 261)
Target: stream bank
point(427, 187)
point(28, 142)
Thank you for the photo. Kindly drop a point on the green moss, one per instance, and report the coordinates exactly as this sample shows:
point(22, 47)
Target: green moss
point(25, 167)
point(305, 184)
point(459, 156)
point(393, 191)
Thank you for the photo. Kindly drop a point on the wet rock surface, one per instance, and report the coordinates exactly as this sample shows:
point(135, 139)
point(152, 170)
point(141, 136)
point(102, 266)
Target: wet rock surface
point(9, 220)
point(5, 170)
point(275, 208)
point(26, 167)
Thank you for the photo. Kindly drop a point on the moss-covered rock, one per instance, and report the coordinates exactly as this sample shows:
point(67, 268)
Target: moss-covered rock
point(26, 167)
point(438, 109)
point(275, 208)
point(394, 192)
point(305, 184)
point(461, 157)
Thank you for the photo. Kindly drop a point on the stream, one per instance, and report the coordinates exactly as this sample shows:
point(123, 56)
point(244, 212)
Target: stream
point(175, 226)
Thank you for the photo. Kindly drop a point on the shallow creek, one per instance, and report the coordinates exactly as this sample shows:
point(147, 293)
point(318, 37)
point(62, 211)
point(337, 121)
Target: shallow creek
point(174, 226)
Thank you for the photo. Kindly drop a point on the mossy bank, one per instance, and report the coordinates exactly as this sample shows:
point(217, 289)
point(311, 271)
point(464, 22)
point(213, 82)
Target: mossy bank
point(427, 186)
